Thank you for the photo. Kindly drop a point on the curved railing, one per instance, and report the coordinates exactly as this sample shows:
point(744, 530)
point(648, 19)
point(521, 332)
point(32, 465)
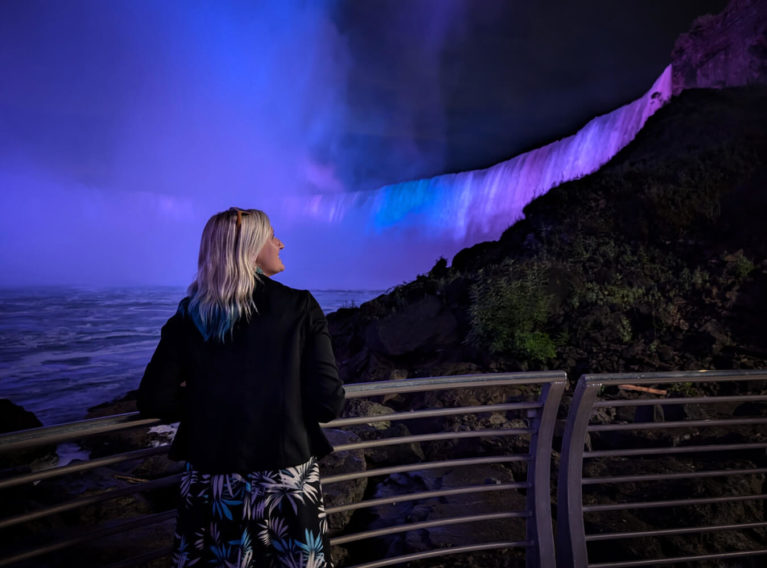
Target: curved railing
point(633, 470)
point(519, 406)
point(642, 454)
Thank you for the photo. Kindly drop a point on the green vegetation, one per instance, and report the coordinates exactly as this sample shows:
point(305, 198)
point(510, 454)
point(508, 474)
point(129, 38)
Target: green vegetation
point(655, 262)
point(509, 311)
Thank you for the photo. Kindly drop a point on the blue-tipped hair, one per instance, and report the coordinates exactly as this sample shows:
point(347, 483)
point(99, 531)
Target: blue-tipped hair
point(222, 291)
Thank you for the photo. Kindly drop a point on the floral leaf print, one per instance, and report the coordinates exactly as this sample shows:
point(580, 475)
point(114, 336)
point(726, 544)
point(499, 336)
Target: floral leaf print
point(264, 534)
point(185, 488)
point(313, 548)
point(258, 482)
point(287, 547)
point(277, 493)
point(247, 509)
point(261, 518)
point(221, 508)
point(312, 543)
point(279, 527)
point(323, 524)
point(246, 549)
point(234, 489)
point(302, 479)
point(214, 534)
point(218, 485)
point(263, 478)
point(273, 528)
point(199, 539)
point(323, 517)
point(181, 556)
point(221, 552)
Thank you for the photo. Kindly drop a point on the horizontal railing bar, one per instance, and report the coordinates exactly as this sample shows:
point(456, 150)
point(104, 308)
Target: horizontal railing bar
point(84, 466)
point(414, 414)
point(667, 476)
point(670, 532)
point(677, 377)
point(90, 500)
point(422, 525)
point(392, 499)
point(680, 400)
point(93, 426)
point(95, 534)
point(401, 386)
point(671, 503)
point(675, 424)
point(660, 561)
point(444, 552)
point(421, 466)
point(431, 438)
point(674, 449)
point(62, 432)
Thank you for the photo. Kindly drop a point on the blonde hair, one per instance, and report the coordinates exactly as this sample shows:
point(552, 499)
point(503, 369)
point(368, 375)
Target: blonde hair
point(222, 291)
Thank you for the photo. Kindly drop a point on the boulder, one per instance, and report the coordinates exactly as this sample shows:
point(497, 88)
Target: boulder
point(344, 492)
point(443, 507)
point(12, 418)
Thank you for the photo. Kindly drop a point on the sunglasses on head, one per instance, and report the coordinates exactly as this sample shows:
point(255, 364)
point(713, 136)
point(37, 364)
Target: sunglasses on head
point(240, 213)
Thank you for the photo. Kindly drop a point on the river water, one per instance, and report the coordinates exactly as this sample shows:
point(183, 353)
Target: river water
point(63, 350)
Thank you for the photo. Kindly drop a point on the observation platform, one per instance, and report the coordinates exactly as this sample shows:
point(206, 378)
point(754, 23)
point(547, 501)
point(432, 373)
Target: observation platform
point(505, 469)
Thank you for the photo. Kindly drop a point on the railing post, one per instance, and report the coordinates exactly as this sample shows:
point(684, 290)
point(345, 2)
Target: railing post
point(571, 535)
point(539, 526)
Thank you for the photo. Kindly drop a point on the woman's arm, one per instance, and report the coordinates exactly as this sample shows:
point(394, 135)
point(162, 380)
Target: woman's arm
point(161, 389)
point(324, 391)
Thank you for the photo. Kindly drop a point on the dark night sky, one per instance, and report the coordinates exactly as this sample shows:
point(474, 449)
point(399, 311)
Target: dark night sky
point(125, 124)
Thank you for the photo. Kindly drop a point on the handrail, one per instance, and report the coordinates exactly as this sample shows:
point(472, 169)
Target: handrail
point(329, 480)
point(531, 431)
point(44, 435)
point(538, 433)
point(576, 447)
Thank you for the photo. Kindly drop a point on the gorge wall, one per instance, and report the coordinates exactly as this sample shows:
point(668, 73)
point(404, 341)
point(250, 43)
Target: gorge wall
point(447, 213)
point(457, 210)
point(725, 50)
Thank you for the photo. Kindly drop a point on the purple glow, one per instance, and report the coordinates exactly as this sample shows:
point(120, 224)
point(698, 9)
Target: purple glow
point(450, 212)
point(124, 125)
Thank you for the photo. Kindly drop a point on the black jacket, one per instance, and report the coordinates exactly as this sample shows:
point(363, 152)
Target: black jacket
point(253, 402)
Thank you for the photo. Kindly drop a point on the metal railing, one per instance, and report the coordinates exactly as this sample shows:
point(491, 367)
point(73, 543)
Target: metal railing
point(659, 468)
point(638, 454)
point(519, 411)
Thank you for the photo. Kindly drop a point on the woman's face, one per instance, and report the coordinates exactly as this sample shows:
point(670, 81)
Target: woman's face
point(268, 260)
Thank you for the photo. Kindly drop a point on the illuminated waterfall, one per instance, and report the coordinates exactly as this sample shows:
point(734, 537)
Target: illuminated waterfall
point(428, 218)
point(483, 203)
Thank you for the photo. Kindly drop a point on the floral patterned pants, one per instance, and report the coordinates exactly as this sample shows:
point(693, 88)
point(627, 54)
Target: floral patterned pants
point(261, 519)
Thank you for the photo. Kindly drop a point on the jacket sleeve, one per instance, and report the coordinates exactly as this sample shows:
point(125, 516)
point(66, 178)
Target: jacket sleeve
point(160, 394)
point(323, 390)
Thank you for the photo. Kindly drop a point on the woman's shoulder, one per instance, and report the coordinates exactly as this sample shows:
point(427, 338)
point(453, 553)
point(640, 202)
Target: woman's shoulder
point(280, 288)
point(280, 292)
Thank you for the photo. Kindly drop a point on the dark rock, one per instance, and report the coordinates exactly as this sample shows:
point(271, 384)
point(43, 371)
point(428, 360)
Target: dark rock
point(382, 455)
point(12, 418)
point(436, 508)
point(723, 50)
point(117, 442)
point(344, 492)
point(425, 323)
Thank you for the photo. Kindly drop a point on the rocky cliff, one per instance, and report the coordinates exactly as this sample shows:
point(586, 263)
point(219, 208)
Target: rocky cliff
point(656, 262)
point(724, 50)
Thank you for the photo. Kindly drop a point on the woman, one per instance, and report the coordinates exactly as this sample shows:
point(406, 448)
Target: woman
point(247, 367)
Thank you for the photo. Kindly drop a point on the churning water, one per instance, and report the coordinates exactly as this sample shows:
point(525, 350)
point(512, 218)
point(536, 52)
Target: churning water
point(63, 350)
